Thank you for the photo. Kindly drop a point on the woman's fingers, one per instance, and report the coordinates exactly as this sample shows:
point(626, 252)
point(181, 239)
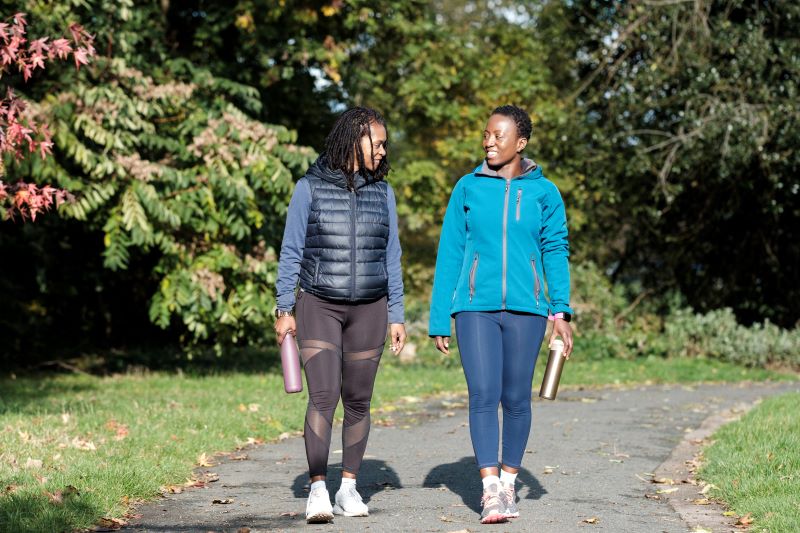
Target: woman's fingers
point(443, 344)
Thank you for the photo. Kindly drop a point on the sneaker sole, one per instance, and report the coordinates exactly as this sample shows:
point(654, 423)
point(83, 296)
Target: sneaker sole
point(338, 510)
point(319, 518)
point(496, 518)
point(512, 515)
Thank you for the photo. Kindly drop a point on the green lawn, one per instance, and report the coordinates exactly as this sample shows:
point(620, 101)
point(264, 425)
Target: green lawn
point(755, 464)
point(74, 448)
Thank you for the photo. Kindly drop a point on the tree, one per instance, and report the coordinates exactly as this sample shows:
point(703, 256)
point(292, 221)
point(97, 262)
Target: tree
point(174, 179)
point(690, 110)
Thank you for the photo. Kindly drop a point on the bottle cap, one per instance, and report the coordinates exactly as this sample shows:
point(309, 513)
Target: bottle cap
point(557, 344)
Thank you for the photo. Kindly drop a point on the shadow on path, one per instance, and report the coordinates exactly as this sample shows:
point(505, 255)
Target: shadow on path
point(375, 476)
point(462, 478)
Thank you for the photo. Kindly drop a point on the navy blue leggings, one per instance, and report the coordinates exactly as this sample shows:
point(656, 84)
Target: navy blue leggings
point(498, 352)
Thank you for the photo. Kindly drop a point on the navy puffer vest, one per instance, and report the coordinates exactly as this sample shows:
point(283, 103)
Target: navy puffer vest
point(344, 258)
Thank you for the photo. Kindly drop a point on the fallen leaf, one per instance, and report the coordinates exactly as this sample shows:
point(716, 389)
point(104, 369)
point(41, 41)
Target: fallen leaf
point(592, 520)
point(707, 488)
point(548, 471)
point(11, 489)
point(244, 529)
point(460, 531)
point(745, 520)
point(730, 513)
point(172, 489)
point(700, 529)
point(65, 418)
point(667, 491)
point(616, 461)
point(701, 501)
point(239, 457)
point(223, 501)
point(83, 444)
point(242, 407)
point(285, 435)
point(110, 524)
point(203, 460)
point(253, 407)
point(290, 514)
point(664, 481)
point(56, 498)
point(446, 519)
point(652, 496)
point(33, 463)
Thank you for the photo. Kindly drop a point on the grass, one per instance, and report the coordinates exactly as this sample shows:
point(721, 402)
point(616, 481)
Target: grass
point(755, 464)
point(75, 448)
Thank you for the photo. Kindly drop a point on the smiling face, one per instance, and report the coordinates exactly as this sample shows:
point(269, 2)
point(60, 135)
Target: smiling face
point(501, 141)
point(374, 149)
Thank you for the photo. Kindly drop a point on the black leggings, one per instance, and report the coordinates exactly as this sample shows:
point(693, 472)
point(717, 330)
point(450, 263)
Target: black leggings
point(341, 346)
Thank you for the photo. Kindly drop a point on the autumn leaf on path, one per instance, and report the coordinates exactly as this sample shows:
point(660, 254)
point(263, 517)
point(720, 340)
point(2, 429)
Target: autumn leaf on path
point(701, 501)
point(745, 520)
point(664, 481)
point(290, 514)
point(592, 520)
point(667, 491)
point(109, 524)
point(203, 460)
point(222, 501)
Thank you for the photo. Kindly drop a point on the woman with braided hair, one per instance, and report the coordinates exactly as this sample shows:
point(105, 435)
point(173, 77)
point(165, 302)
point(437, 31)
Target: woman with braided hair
point(341, 247)
point(504, 234)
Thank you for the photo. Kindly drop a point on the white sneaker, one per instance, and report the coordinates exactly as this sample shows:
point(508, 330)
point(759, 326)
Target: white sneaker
point(349, 503)
point(318, 506)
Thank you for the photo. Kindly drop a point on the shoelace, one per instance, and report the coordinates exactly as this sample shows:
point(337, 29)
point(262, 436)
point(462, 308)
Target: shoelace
point(490, 499)
point(509, 493)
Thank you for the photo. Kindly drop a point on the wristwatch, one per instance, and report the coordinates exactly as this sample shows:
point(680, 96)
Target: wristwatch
point(566, 317)
point(280, 313)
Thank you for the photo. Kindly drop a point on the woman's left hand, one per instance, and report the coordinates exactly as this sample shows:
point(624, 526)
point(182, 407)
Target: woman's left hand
point(563, 329)
point(398, 337)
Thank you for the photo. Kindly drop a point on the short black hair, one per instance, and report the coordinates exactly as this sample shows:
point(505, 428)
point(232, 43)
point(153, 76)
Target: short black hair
point(520, 117)
point(343, 144)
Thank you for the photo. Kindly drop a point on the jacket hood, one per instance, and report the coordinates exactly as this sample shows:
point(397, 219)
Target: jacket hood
point(321, 170)
point(530, 170)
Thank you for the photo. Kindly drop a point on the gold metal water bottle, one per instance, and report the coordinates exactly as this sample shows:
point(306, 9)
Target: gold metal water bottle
point(552, 374)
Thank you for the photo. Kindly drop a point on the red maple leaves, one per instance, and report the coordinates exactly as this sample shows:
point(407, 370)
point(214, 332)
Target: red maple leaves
point(21, 131)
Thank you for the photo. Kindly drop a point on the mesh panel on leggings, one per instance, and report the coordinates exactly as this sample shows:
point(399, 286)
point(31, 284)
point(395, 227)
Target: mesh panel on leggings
point(360, 368)
point(321, 361)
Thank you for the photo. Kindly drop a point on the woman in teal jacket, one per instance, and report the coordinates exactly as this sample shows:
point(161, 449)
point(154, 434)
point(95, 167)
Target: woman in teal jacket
point(504, 234)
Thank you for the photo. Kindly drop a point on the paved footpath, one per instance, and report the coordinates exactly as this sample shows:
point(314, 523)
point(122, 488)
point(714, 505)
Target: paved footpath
point(590, 455)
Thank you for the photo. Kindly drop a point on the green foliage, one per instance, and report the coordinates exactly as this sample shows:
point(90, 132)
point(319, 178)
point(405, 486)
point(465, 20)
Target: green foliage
point(689, 123)
point(169, 162)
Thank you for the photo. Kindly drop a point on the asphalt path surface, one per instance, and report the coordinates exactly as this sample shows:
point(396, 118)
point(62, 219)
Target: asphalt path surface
point(587, 467)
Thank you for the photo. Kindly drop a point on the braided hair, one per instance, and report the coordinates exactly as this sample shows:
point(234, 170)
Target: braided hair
point(520, 118)
point(343, 144)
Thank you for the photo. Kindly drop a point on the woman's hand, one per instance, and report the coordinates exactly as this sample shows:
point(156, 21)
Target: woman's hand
point(397, 332)
point(442, 344)
point(563, 329)
point(284, 325)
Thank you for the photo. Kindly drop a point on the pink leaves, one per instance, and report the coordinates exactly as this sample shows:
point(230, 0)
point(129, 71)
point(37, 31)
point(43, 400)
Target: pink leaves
point(28, 199)
point(27, 59)
point(21, 129)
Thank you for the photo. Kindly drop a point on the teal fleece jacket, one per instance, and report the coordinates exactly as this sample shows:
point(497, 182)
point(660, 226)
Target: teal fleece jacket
point(501, 239)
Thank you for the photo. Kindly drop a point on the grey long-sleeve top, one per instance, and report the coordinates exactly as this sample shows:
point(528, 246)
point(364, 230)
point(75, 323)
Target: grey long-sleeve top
point(294, 239)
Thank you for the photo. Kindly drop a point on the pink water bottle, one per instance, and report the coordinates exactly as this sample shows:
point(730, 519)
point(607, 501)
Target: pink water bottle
point(290, 360)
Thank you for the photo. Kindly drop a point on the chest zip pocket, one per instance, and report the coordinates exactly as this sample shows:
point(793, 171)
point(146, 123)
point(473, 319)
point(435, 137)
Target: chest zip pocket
point(536, 286)
point(519, 202)
point(472, 272)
